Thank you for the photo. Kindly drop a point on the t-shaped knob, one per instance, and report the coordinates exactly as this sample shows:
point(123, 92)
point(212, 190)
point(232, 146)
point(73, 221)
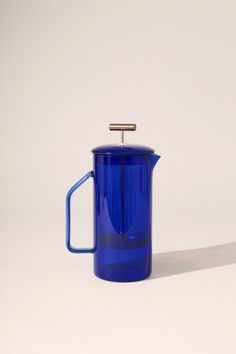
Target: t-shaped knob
point(122, 128)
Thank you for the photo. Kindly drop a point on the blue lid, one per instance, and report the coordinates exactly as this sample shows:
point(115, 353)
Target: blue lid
point(123, 149)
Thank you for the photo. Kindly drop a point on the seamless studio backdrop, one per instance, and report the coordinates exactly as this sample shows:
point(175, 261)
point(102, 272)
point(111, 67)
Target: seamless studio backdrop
point(68, 69)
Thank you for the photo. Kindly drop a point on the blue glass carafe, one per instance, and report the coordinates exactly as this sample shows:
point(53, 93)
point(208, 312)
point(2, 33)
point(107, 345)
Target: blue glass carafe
point(122, 210)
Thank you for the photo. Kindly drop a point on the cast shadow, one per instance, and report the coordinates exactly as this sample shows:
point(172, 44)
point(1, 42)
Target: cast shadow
point(178, 262)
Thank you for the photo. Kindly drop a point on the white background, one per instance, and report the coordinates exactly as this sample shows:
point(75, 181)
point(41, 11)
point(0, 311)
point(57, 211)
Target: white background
point(68, 69)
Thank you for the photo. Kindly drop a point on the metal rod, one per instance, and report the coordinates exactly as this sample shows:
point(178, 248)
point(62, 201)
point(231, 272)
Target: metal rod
point(122, 137)
point(122, 179)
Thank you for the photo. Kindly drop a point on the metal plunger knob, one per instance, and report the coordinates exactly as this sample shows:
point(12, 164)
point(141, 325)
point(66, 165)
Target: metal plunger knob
point(122, 128)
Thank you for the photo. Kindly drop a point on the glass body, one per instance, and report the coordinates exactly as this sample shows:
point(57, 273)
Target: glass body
point(123, 216)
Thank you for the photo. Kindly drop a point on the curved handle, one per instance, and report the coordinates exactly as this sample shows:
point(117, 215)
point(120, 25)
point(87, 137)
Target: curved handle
point(68, 198)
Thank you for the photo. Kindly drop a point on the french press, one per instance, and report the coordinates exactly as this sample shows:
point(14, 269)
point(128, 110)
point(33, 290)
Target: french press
point(122, 177)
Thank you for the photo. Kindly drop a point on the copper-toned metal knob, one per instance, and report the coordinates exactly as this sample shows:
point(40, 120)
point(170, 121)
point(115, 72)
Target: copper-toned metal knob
point(122, 127)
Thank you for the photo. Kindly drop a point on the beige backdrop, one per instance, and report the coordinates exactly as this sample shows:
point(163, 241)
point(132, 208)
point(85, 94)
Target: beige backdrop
point(68, 69)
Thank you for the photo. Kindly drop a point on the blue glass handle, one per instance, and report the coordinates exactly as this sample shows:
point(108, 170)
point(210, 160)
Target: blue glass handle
point(68, 198)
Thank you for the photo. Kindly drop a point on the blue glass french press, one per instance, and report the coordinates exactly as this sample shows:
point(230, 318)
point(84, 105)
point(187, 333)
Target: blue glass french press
point(122, 177)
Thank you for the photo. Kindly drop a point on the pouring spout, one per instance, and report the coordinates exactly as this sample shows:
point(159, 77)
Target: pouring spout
point(154, 159)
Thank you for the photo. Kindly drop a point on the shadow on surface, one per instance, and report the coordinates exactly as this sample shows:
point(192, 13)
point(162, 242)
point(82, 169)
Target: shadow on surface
point(177, 262)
